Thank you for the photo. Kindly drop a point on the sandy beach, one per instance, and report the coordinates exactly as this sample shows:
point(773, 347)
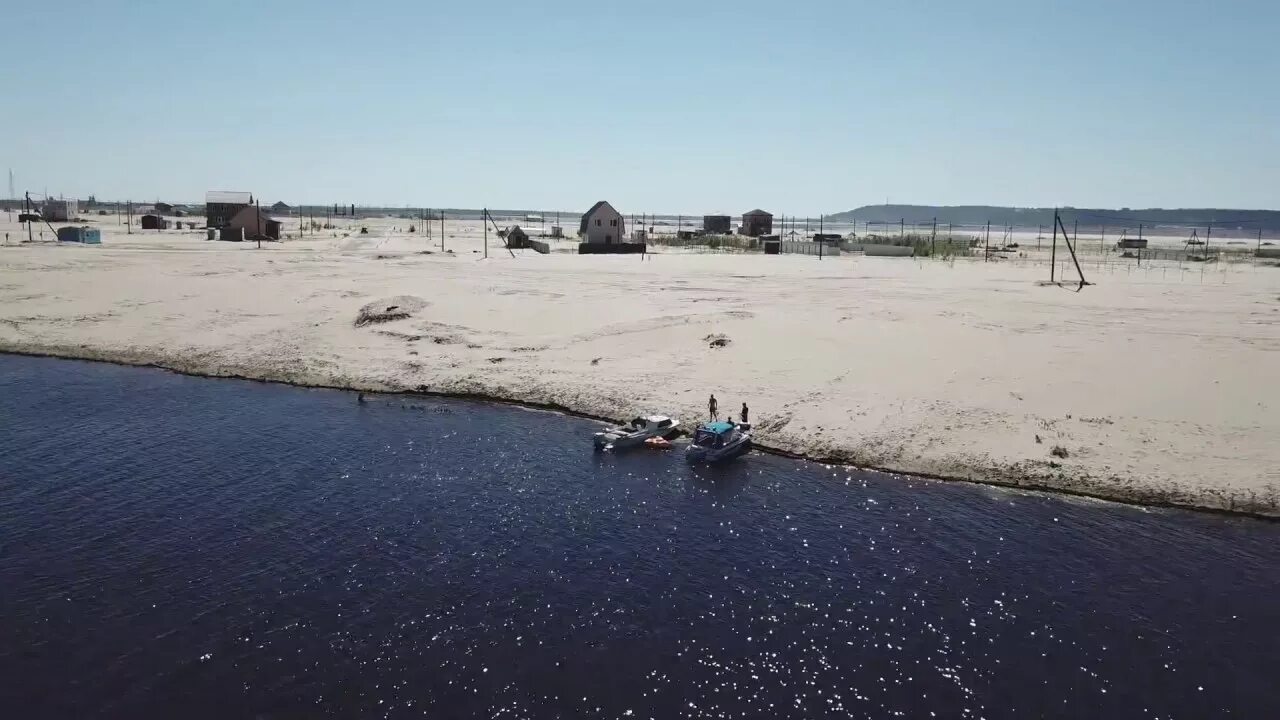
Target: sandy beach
point(1152, 386)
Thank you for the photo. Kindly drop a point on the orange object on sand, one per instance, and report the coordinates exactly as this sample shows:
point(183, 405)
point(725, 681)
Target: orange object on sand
point(657, 442)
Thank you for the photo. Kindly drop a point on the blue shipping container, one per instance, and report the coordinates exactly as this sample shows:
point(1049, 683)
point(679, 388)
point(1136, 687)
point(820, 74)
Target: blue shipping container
point(86, 235)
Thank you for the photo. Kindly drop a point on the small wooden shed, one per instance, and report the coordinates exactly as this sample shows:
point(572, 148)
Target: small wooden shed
point(517, 238)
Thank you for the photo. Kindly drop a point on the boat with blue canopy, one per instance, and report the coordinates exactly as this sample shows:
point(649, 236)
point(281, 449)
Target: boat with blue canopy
point(715, 442)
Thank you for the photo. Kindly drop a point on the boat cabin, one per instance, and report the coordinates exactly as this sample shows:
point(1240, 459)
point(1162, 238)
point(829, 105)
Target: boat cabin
point(660, 422)
point(714, 435)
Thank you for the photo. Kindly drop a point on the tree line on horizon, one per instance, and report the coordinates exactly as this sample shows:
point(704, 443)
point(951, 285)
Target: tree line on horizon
point(999, 216)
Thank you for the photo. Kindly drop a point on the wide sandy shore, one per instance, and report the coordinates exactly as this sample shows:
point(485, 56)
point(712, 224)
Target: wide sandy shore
point(1156, 385)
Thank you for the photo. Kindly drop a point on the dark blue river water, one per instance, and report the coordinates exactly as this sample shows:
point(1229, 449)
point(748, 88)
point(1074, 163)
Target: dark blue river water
point(183, 547)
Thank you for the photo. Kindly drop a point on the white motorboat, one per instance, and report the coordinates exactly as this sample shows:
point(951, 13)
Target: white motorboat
point(636, 432)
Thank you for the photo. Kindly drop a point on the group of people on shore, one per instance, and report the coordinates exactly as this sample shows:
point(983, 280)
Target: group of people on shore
point(713, 410)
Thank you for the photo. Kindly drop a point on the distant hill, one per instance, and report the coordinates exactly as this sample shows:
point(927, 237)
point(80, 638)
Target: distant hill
point(1238, 221)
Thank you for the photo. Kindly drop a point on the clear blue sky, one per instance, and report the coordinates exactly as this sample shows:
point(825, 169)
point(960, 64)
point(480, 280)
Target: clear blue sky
point(797, 107)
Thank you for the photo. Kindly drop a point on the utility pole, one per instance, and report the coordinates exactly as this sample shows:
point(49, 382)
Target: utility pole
point(257, 219)
point(30, 238)
point(1053, 253)
point(441, 229)
point(486, 233)
point(1208, 229)
point(1259, 240)
point(129, 221)
point(986, 244)
point(933, 238)
point(902, 226)
point(1074, 259)
point(1039, 234)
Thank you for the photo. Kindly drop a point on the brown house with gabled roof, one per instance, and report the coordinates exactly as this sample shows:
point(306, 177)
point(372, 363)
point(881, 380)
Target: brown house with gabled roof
point(253, 221)
point(756, 223)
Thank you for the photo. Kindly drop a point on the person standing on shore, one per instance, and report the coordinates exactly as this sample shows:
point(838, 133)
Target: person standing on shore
point(746, 413)
point(712, 406)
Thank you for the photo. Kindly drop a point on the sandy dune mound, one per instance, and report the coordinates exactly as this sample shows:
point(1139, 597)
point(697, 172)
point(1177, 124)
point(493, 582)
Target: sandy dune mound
point(717, 340)
point(398, 307)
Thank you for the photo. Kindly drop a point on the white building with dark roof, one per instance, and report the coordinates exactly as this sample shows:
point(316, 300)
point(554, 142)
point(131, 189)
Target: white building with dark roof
point(602, 224)
point(59, 210)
